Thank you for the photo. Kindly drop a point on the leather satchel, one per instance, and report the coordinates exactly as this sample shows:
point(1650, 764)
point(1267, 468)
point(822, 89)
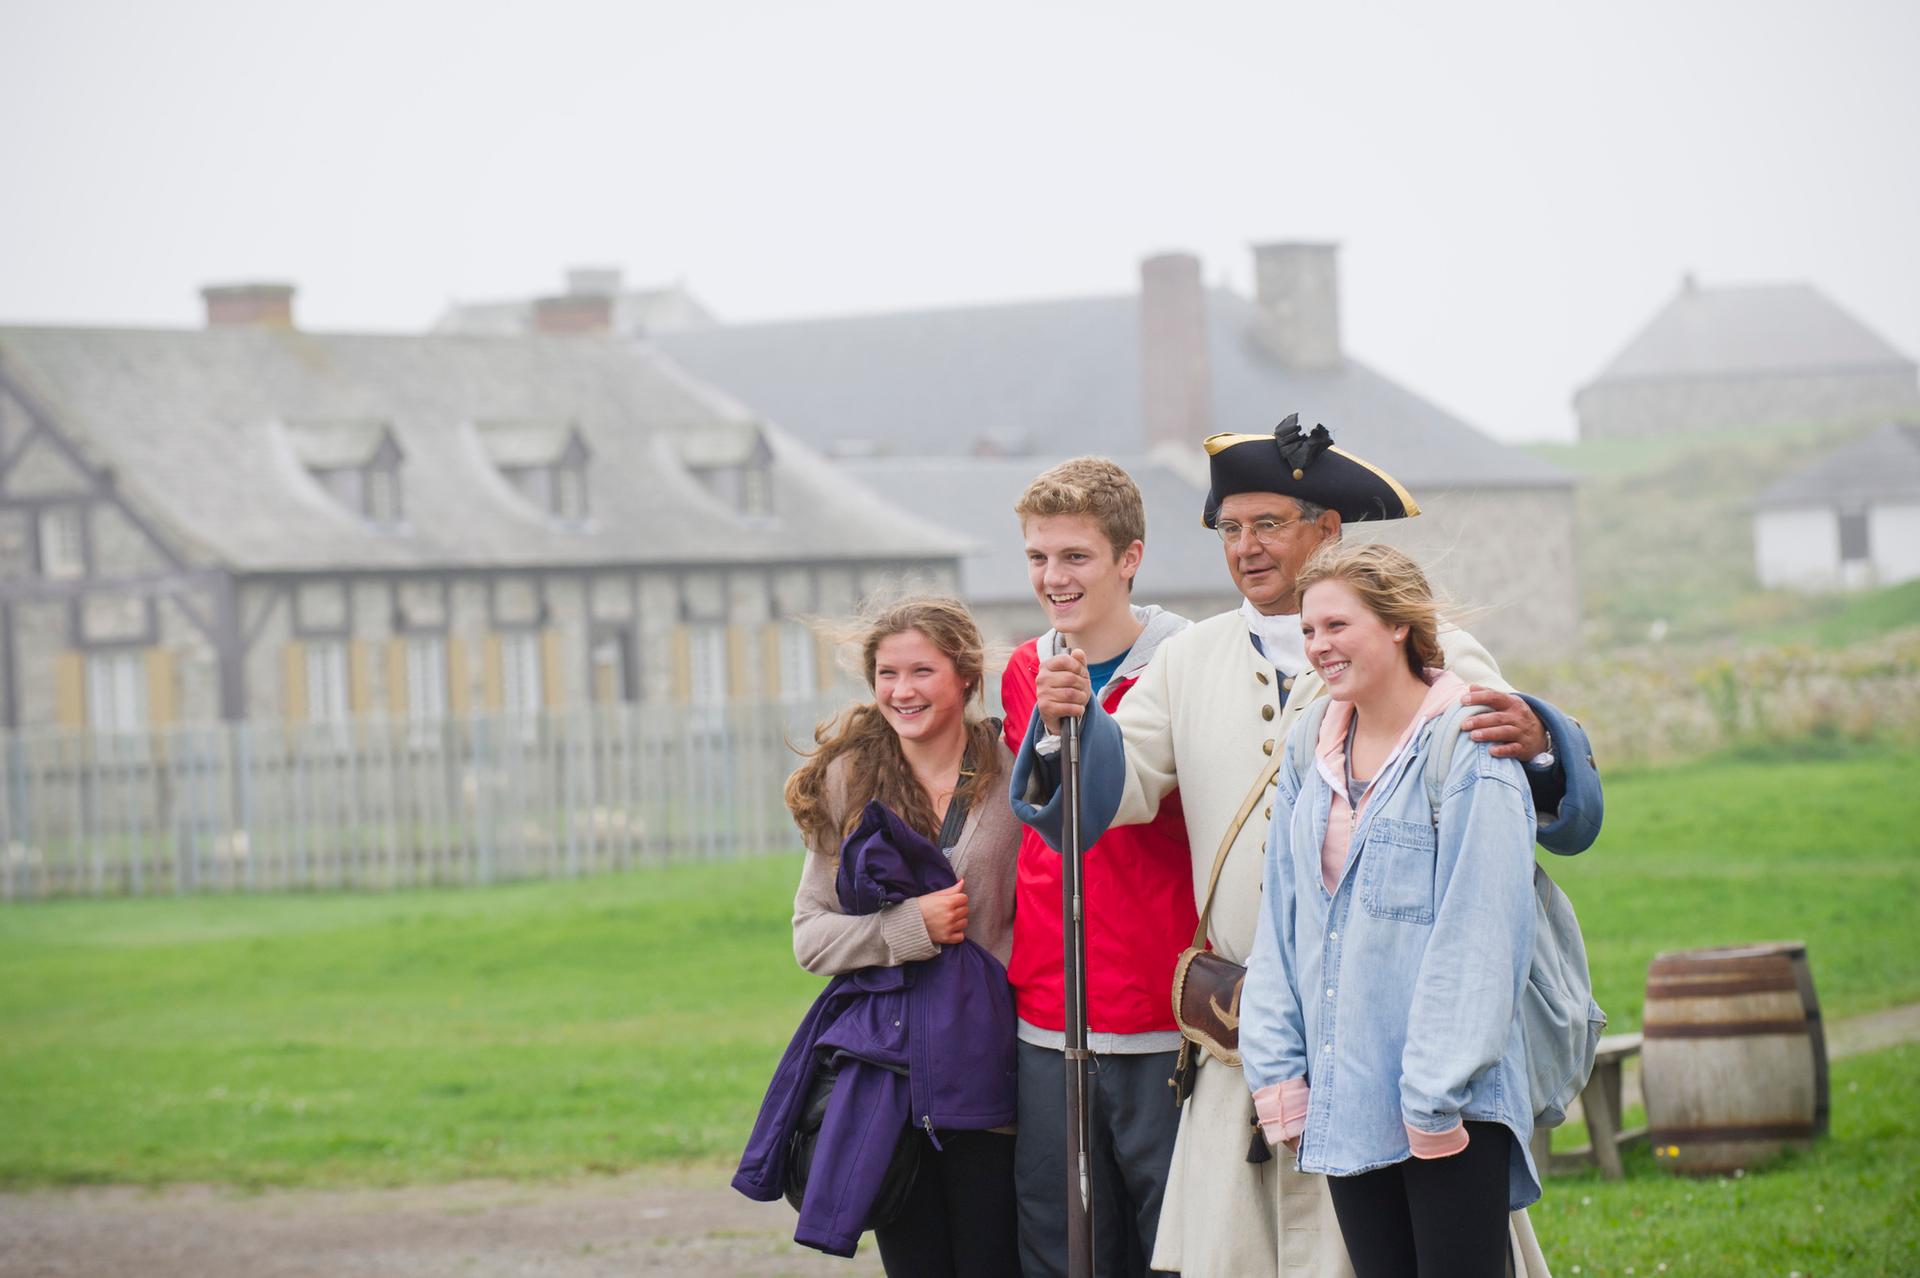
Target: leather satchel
point(1206, 987)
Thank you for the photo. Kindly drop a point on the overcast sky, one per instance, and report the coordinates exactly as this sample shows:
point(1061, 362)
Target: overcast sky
point(1515, 186)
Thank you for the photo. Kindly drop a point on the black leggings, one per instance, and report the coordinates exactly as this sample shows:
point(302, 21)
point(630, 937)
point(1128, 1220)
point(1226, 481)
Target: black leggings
point(1434, 1218)
point(958, 1221)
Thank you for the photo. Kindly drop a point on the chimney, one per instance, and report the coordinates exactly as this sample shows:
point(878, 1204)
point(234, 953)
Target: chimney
point(593, 281)
point(248, 305)
point(1298, 286)
point(1176, 381)
point(574, 313)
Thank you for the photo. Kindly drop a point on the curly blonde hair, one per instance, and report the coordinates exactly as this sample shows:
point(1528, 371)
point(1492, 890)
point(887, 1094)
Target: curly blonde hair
point(1392, 588)
point(1090, 486)
point(878, 769)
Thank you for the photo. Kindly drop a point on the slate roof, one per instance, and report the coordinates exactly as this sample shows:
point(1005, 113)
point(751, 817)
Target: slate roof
point(1060, 378)
point(204, 431)
point(1885, 464)
point(975, 497)
point(1748, 329)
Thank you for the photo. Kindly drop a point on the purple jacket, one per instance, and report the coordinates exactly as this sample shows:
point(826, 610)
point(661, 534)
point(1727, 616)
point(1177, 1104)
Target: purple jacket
point(927, 1043)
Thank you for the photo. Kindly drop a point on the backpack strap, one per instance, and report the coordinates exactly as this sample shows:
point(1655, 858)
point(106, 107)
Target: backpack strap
point(1440, 749)
point(1300, 741)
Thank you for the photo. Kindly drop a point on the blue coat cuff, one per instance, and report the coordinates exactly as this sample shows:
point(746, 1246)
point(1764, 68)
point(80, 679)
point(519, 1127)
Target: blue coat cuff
point(1035, 784)
point(1566, 796)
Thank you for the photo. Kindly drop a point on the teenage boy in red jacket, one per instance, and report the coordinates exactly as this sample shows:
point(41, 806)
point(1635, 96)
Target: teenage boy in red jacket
point(1085, 530)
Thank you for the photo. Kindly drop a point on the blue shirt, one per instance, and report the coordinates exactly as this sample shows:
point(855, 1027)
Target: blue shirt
point(1101, 672)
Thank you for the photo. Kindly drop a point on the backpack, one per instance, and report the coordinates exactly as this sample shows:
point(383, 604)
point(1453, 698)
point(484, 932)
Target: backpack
point(1560, 1024)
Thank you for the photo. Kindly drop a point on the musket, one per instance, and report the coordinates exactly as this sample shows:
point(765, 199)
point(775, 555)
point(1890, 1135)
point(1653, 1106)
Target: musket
point(1079, 1172)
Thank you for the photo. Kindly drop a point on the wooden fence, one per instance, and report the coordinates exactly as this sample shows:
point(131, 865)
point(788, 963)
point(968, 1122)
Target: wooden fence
point(377, 805)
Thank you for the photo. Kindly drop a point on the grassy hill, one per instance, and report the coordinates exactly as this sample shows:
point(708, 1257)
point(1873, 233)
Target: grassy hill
point(1665, 542)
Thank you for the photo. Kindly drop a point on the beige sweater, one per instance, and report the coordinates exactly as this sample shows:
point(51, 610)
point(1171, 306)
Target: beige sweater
point(828, 942)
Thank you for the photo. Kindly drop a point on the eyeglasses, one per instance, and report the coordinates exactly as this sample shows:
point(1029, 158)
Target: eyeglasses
point(1265, 531)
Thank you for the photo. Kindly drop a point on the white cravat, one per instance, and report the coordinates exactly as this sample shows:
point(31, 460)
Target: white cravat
point(1279, 637)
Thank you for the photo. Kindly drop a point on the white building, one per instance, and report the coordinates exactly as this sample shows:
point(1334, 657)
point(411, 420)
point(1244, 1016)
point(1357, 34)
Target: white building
point(1851, 520)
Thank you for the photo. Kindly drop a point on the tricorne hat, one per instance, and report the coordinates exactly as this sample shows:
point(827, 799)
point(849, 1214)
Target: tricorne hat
point(1303, 466)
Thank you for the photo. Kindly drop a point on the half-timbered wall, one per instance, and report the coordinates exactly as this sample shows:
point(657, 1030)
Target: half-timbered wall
point(103, 623)
point(116, 628)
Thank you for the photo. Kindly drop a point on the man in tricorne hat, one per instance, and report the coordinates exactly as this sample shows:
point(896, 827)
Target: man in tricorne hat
point(1211, 708)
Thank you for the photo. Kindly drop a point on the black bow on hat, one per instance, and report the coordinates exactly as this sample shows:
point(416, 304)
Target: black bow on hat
point(1304, 465)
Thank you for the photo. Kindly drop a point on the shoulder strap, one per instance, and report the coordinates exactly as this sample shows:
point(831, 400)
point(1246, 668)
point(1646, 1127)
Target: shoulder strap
point(1298, 745)
point(1439, 759)
point(1226, 843)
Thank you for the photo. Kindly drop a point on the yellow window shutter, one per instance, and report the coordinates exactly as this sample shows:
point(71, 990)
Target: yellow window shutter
point(736, 662)
point(359, 678)
point(459, 689)
point(70, 690)
point(493, 680)
point(293, 679)
point(826, 669)
point(770, 660)
point(605, 677)
point(162, 709)
point(397, 678)
point(553, 675)
point(682, 665)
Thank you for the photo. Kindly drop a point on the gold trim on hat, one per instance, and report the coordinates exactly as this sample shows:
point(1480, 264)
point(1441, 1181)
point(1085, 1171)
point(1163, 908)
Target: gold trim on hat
point(1216, 444)
point(1406, 498)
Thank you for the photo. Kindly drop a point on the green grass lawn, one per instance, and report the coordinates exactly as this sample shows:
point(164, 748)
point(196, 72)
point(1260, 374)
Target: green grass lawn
point(1824, 849)
point(1849, 1206)
point(528, 1030)
point(553, 1029)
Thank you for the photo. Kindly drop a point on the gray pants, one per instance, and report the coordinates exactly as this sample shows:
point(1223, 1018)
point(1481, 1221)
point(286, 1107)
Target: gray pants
point(1133, 1121)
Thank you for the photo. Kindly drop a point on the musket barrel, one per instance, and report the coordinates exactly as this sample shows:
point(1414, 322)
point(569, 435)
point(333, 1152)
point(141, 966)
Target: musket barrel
point(1074, 955)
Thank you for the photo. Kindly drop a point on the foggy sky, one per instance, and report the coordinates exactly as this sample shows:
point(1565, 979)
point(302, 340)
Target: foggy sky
point(1516, 186)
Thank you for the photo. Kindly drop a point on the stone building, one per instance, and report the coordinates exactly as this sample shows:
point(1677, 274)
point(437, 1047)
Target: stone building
point(254, 522)
point(1739, 357)
point(1850, 520)
point(901, 398)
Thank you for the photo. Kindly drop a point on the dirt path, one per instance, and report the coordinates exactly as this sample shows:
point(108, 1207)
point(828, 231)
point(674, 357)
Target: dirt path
point(679, 1221)
point(687, 1222)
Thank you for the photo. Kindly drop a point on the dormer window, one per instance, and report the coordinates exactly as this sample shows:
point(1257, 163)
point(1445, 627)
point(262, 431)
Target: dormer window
point(63, 545)
point(734, 463)
point(357, 462)
point(545, 462)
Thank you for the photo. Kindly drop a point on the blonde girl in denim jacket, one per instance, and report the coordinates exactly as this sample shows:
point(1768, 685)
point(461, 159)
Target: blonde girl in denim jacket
point(1379, 1024)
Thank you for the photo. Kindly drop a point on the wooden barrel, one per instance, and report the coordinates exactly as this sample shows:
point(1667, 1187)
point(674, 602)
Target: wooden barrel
point(1733, 1056)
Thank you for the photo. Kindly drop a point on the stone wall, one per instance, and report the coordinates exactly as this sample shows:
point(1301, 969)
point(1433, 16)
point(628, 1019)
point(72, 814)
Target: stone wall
point(1634, 408)
point(1505, 559)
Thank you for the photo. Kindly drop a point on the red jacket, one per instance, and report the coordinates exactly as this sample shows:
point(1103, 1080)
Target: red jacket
point(1138, 881)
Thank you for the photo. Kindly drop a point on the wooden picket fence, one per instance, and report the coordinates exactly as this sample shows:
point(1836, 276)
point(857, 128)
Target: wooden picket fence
point(374, 804)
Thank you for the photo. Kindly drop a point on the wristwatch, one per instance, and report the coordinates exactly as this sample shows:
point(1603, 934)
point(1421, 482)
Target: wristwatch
point(1543, 761)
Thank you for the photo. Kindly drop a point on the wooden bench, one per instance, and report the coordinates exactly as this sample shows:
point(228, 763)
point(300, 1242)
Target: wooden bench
point(1601, 1107)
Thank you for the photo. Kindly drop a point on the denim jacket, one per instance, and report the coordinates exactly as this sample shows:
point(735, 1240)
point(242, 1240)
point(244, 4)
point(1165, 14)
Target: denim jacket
point(1396, 995)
